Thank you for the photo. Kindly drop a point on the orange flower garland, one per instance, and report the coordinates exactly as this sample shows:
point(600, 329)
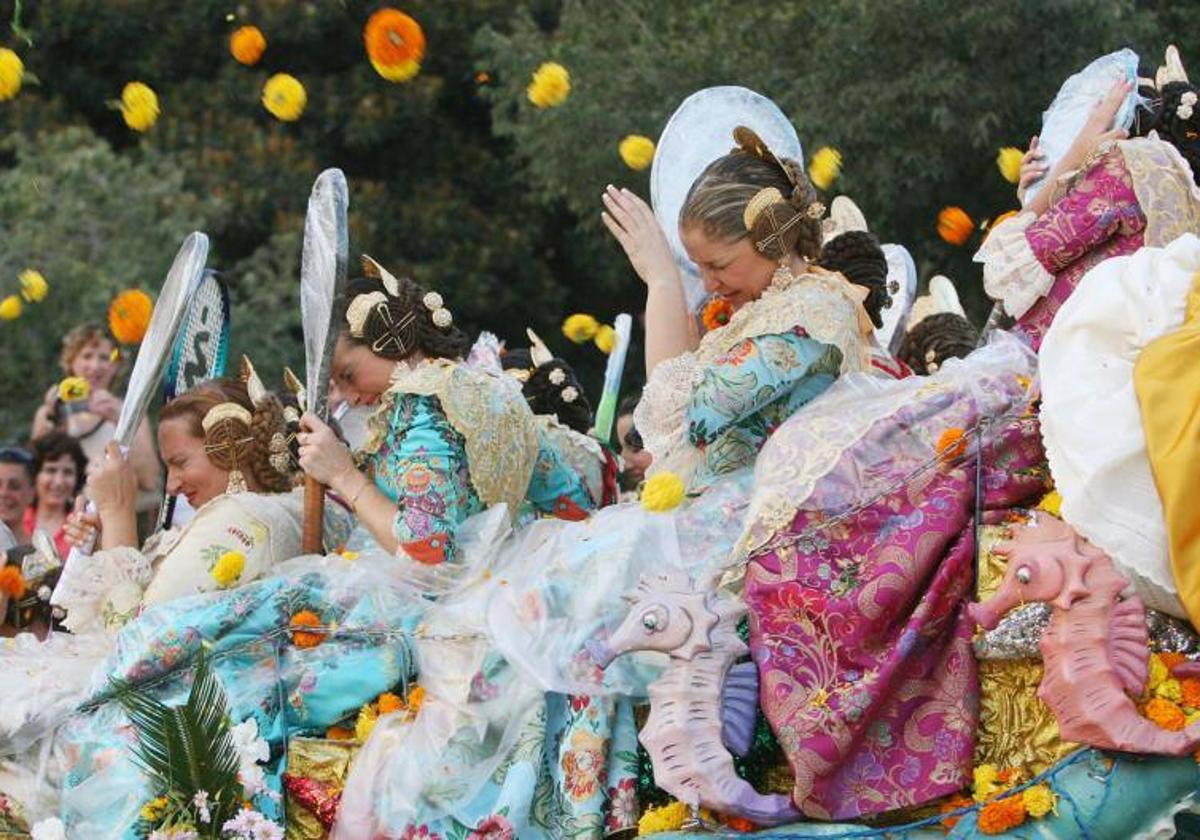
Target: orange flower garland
point(247, 45)
point(1003, 814)
point(12, 583)
point(951, 444)
point(307, 638)
point(955, 803)
point(1165, 714)
point(388, 703)
point(716, 314)
point(395, 44)
point(129, 316)
point(954, 225)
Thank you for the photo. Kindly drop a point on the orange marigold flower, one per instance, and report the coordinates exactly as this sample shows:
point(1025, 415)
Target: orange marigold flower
point(393, 37)
point(129, 316)
point(388, 703)
point(716, 313)
point(307, 638)
point(954, 225)
point(1003, 814)
point(247, 45)
point(12, 583)
point(738, 824)
point(954, 803)
point(1165, 714)
point(339, 733)
point(1189, 688)
point(1171, 659)
point(415, 699)
point(951, 443)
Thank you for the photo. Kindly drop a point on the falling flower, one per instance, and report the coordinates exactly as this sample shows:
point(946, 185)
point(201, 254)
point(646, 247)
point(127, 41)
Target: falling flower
point(605, 339)
point(284, 97)
point(395, 44)
point(662, 492)
point(637, 151)
point(139, 106)
point(1008, 161)
point(307, 638)
point(716, 313)
point(580, 328)
point(10, 308)
point(550, 86)
point(954, 225)
point(129, 316)
point(12, 74)
point(34, 287)
point(228, 568)
point(825, 166)
point(247, 45)
point(74, 389)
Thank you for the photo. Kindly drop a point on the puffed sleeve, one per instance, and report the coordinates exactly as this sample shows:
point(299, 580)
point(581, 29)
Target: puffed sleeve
point(754, 374)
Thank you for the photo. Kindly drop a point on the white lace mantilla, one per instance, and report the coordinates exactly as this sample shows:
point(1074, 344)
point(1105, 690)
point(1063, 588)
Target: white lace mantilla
point(822, 302)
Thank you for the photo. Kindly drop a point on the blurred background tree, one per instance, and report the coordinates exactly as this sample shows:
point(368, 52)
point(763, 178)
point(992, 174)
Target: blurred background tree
point(455, 177)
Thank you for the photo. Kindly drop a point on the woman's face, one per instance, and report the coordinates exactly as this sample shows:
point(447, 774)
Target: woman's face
point(95, 364)
point(732, 270)
point(56, 482)
point(637, 459)
point(189, 472)
point(360, 376)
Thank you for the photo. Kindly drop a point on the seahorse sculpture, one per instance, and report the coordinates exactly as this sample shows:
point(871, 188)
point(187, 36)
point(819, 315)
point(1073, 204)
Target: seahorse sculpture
point(703, 701)
point(1094, 650)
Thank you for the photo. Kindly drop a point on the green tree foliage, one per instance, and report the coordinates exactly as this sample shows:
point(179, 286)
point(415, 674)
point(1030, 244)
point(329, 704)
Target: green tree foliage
point(93, 222)
point(457, 179)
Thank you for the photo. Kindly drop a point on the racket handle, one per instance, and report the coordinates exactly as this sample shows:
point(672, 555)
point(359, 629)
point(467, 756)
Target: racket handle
point(312, 537)
point(76, 560)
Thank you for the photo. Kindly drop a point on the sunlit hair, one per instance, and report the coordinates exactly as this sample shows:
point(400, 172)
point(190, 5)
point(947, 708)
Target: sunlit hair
point(77, 339)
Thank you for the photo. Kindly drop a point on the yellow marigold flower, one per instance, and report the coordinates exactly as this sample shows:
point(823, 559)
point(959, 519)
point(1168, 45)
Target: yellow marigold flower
point(12, 73)
point(152, 811)
point(666, 818)
point(129, 316)
point(1158, 673)
point(33, 286)
point(228, 568)
point(637, 151)
point(284, 97)
point(550, 86)
point(1169, 689)
point(580, 328)
point(367, 718)
point(1039, 800)
point(605, 338)
point(1008, 161)
point(10, 308)
point(139, 106)
point(401, 72)
point(825, 166)
point(662, 492)
point(73, 389)
point(1051, 503)
point(985, 778)
point(247, 44)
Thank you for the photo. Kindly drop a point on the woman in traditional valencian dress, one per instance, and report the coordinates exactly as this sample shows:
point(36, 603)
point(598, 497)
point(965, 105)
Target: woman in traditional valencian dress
point(1107, 197)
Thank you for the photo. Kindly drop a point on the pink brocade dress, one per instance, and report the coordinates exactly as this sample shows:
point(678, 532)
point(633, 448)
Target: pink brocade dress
point(857, 622)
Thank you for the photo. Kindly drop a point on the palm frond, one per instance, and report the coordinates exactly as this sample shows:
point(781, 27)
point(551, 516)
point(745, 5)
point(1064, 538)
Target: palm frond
point(187, 749)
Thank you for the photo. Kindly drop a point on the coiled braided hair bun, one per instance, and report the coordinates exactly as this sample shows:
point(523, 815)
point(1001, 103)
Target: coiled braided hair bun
point(551, 388)
point(395, 326)
point(859, 257)
point(936, 338)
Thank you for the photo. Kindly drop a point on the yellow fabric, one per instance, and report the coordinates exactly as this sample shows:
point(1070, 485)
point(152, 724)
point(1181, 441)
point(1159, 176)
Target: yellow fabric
point(1166, 378)
point(1016, 729)
point(325, 761)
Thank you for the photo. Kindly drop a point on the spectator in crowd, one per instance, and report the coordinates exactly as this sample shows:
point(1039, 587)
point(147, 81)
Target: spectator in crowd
point(16, 490)
point(59, 470)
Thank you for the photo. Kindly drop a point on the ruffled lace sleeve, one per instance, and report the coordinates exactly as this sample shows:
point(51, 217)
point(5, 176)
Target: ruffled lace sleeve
point(102, 592)
point(661, 417)
point(1012, 274)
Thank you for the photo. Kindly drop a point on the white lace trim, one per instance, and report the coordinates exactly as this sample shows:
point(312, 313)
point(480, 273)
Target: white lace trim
point(1011, 273)
point(823, 303)
point(119, 573)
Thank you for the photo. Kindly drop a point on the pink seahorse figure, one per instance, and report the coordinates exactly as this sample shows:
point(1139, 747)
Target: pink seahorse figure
point(1095, 649)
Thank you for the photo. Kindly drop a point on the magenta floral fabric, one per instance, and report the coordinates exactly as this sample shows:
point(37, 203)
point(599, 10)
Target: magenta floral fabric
point(857, 626)
point(1099, 218)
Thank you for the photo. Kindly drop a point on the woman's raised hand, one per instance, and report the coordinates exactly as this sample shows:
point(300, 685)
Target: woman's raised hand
point(322, 455)
point(81, 527)
point(1097, 129)
point(631, 221)
point(1033, 167)
point(112, 483)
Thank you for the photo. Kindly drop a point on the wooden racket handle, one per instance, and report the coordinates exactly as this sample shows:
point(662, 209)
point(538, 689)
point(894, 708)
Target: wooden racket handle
point(312, 537)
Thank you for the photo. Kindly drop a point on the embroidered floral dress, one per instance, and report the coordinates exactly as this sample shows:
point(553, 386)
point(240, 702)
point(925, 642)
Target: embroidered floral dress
point(1128, 194)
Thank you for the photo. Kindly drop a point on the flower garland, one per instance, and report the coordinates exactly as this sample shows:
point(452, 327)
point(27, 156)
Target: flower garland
point(386, 704)
point(307, 638)
point(1003, 809)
